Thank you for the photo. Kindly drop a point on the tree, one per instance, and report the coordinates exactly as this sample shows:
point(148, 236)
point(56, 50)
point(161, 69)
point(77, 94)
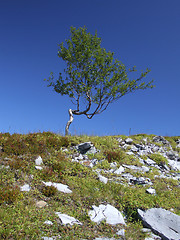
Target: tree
point(93, 78)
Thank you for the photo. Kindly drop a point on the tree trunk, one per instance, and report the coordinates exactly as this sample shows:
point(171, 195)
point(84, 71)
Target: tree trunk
point(69, 122)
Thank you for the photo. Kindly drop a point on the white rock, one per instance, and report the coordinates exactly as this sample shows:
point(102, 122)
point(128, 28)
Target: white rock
point(38, 161)
point(103, 179)
point(174, 165)
point(104, 238)
point(121, 232)
point(113, 164)
point(106, 212)
point(48, 222)
point(119, 170)
point(151, 191)
point(65, 219)
point(25, 188)
point(38, 167)
point(47, 238)
point(128, 140)
point(60, 187)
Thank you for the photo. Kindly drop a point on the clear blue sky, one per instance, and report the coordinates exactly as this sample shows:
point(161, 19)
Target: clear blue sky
point(140, 32)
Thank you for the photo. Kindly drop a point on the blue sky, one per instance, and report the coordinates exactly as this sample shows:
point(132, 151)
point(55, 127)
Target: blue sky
point(141, 33)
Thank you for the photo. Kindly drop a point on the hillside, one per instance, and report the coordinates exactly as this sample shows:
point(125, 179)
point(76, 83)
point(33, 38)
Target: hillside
point(86, 187)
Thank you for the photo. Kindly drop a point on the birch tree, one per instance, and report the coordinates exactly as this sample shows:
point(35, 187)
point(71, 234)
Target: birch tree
point(93, 79)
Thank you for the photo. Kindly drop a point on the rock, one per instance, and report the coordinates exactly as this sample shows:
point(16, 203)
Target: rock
point(84, 147)
point(38, 161)
point(104, 238)
point(106, 212)
point(119, 170)
point(140, 180)
point(150, 162)
point(25, 188)
point(151, 191)
point(48, 238)
point(121, 232)
point(38, 167)
point(113, 164)
point(41, 204)
point(128, 141)
point(65, 219)
point(160, 139)
point(134, 149)
point(178, 146)
point(60, 187)
point(48, 222)
point(174, 165)
point(162, 222)
point(103, 179)
point(153, 237)
point(137, 169)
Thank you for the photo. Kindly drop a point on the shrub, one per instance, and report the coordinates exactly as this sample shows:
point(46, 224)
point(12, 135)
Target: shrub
point(8, 194)
point(49, 191)
point(114, 155)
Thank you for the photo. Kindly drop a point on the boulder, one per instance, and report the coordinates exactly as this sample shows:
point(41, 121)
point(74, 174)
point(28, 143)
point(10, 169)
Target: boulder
point(83, 148)
point(128, 141)
point(162, 222)
point(106, 212)
point(160, 139)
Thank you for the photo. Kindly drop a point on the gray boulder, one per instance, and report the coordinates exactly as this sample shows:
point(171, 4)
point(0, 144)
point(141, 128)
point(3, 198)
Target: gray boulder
point(160, 139)
point(84, 147)
point(162, 222)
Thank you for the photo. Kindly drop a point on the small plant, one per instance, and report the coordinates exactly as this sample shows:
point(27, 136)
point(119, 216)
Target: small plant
point(49, 191)
point(8, 194)
point(114, 155)
point(16, 163)
point(47, 173)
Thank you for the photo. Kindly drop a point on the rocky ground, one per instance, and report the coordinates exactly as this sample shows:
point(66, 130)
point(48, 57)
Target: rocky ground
point(81, 187)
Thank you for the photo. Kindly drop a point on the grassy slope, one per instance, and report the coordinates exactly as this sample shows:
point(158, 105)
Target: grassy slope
point(20, 218)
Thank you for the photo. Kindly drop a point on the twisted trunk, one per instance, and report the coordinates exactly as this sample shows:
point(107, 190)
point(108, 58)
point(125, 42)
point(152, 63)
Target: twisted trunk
point(69, 122)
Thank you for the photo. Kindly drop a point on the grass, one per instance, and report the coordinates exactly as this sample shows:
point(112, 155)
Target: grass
point(20, 218)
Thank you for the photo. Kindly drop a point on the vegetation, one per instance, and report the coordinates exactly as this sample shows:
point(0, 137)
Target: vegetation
point(20, 218)
point(93, 76)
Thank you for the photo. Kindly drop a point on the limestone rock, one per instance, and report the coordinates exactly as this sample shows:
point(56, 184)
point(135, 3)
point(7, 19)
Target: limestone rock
point(65, 219)
point(103, 179)
point(25, 188)
point(38, 161)
point(119, 170)
point(162, 222)
point(106, 212)
point(60, 187)
point(128, 141)
point(151, 191)
point(48, 222)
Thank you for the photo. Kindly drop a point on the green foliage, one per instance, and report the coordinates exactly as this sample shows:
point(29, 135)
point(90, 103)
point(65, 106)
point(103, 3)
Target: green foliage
point(158, 158)
point(115, 155)
point(92, 74)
